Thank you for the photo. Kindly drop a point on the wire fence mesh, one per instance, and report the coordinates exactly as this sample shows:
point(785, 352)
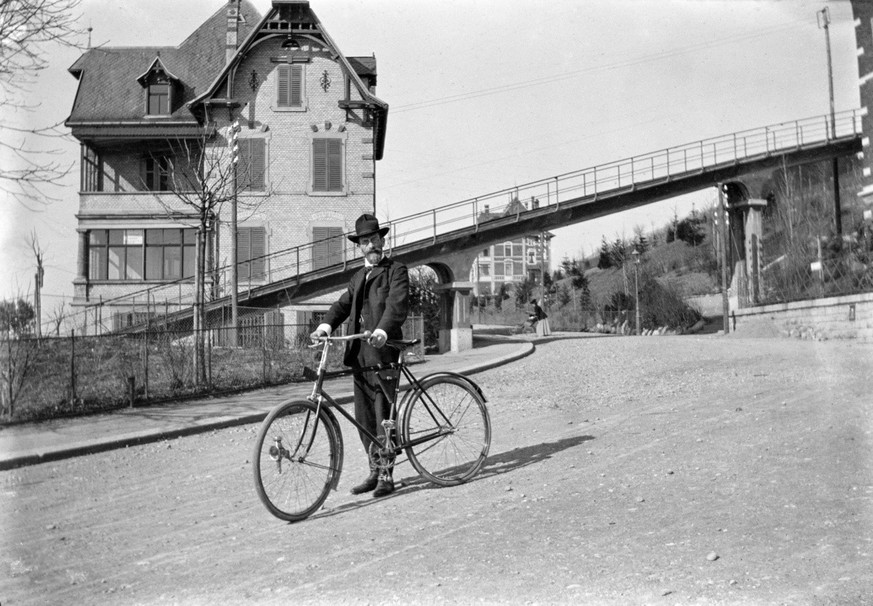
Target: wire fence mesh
point(65, 376)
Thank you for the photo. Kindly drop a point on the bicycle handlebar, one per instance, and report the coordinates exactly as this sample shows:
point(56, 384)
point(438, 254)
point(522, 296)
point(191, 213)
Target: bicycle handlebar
point(363, 335)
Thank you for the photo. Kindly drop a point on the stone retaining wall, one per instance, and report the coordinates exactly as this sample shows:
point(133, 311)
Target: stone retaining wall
point(848, 317)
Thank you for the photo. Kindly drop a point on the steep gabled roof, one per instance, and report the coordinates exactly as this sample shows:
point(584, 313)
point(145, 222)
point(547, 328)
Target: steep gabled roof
point(108, 88)
point(273, 23)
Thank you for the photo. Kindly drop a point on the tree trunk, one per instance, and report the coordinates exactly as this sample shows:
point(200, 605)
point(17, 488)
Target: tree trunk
point(199, 361)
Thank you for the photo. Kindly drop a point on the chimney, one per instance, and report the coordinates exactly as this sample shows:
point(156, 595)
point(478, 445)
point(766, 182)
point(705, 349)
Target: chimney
point(534, 203)
point(232, 29)
point(486, 208)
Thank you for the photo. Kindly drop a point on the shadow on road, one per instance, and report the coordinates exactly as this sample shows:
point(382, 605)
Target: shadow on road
point(495, 465)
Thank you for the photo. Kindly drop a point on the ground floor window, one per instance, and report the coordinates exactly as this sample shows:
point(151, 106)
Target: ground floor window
point(141, 254)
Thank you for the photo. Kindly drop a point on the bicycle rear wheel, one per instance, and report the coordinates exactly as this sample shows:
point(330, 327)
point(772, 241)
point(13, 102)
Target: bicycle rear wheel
point(446, 430)
point(296, 460)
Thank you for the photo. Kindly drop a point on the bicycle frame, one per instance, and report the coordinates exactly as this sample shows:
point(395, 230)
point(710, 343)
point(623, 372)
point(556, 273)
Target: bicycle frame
point(440, 423)
point(319, 396)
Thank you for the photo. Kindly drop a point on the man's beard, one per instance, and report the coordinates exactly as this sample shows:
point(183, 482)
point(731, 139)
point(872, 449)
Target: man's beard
point(374, 256)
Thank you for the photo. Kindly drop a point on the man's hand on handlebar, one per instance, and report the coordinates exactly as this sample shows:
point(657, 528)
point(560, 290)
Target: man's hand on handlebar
point(377, 339)
point(316, 336)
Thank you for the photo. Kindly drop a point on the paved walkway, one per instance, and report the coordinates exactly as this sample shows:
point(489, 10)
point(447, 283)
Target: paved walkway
point(33, 443)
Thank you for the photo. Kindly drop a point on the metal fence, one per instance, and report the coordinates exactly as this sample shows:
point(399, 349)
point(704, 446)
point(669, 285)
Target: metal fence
point(62, 376)
point(844, 268)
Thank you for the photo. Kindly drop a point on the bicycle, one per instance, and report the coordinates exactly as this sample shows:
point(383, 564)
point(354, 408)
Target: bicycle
point(442, 424)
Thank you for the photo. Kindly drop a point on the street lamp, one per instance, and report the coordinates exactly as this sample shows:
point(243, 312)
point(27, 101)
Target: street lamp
point(636, 256)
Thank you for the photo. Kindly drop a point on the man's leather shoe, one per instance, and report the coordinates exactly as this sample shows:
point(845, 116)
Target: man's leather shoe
point(383, 488)
point(367, 485)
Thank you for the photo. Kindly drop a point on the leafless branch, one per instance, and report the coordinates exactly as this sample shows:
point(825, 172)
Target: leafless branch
point(27, 29)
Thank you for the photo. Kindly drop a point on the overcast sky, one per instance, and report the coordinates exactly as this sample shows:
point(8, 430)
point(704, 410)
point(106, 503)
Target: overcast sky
point(485, 95)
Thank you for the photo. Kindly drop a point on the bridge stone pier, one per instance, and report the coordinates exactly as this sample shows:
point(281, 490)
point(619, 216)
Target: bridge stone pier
point(745, 217)
point(454, 288)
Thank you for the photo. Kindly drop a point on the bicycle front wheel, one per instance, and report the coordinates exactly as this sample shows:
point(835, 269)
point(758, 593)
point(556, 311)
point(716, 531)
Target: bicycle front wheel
point(446, 430)
point(296, 461)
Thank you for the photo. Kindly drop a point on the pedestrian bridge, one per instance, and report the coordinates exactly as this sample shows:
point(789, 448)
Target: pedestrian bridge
point(448, 238)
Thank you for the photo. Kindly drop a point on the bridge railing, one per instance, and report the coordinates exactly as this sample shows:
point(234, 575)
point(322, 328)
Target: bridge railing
point(594, 182)
point(637, 171)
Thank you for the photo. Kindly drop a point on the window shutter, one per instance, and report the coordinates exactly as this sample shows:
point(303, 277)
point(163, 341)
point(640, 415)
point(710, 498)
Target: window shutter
point(283, 87)
point(327, 164)
point(253, 153)
point(319, 164)
point(327, 248)
point(258, 237)
point(257, 162)
point(334, 164)
point(335, 245)
point(243, 251)
point(320, 247)
point(296, 86)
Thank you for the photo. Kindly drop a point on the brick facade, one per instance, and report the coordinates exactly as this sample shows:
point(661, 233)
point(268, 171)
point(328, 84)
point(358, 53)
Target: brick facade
point(242, 85)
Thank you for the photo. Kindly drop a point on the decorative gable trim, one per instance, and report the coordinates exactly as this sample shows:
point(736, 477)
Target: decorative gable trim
point(311, 27)
point(156, 66)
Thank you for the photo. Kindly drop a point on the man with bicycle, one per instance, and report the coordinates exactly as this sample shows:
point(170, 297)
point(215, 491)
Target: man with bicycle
point(376, 300)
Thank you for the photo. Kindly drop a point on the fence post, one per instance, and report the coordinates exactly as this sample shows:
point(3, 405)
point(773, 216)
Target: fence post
point(264, 355)
point(209, 358)
point(73, 367)
point(9, 369)
point(145, 373)
point(131, 390)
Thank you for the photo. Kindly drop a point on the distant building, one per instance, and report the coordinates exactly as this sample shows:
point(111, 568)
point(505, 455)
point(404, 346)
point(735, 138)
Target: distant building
point(512, 261)
point(310, 132)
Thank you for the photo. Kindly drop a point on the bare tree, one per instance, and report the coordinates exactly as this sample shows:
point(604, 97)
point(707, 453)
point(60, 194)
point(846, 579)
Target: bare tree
point(203, 179)
point(39, 255)
point(18, 352)
point(57, 317)
point(27, 29)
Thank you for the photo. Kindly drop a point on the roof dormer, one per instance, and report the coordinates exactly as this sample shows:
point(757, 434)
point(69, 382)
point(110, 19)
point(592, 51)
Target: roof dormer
point(162, 89)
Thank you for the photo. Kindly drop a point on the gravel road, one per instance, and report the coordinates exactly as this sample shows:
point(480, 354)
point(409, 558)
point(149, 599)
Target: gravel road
point(623, 470)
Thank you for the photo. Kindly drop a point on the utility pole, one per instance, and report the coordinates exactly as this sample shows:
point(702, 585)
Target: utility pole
point(234, 237)
point(722, 256)
point(823, 18)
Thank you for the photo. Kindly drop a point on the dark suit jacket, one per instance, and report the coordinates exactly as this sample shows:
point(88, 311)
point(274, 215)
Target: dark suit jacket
point(380, 302)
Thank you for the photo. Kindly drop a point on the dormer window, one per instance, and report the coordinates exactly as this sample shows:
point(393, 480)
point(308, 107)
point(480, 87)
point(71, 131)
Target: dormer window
point(160, 89)
point(159, 96)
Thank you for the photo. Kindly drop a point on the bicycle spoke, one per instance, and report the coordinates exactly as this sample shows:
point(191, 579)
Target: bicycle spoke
point(448, 430)
point(300, 484)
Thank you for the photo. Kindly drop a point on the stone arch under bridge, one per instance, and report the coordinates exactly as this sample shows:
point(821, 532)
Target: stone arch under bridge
point(452, 270)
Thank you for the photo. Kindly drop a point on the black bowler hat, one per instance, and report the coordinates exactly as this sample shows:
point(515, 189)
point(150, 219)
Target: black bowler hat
point(367, 225)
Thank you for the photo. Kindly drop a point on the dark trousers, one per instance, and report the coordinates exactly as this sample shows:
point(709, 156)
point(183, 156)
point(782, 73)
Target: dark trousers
point(371, 406)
